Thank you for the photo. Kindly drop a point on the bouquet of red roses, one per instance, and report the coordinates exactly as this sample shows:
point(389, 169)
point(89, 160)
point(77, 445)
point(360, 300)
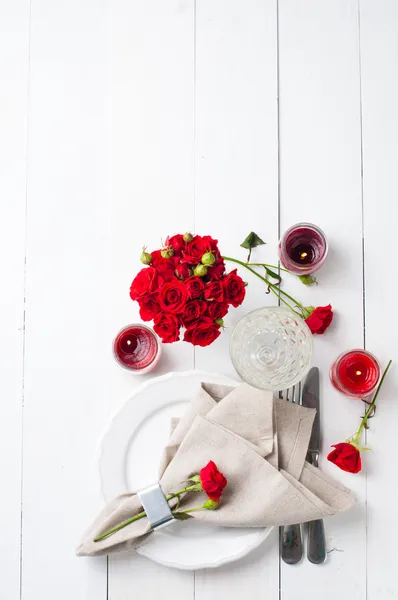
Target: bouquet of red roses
point(185, 285)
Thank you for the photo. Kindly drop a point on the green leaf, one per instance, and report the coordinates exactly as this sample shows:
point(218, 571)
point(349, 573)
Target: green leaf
point(307, 280)
point(181, 516)
point(273, 274)
point(252, 241)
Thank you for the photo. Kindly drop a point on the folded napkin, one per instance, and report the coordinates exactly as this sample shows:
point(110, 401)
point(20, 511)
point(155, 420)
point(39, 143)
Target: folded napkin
point(259, 443)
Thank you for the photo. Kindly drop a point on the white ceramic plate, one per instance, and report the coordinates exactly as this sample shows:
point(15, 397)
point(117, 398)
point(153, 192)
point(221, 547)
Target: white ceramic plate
point(129, 459)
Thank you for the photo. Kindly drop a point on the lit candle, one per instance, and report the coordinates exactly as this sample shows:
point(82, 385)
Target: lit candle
point(355, 373)
point(303, 248)
point(136, 348)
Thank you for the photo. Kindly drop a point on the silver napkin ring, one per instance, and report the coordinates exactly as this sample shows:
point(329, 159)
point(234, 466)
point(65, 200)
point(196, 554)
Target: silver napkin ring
point(156, 507)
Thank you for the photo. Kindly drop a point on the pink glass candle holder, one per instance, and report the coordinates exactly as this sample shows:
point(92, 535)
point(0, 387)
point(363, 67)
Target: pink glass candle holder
point(355, 373)
point(303, 248)
point(136, 347)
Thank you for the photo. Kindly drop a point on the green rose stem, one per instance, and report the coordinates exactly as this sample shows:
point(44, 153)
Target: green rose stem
point(141, 515)
point(355, 439)
point(274, 288)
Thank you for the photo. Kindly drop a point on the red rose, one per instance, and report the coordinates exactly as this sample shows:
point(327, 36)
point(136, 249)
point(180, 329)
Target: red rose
point(167, 327)
point(212, 244)
point(214, 291)
point(202, 333)
point(217, 270)
point(145, 282)
point(217, 310)
point(320, 319)
point(346, 456)
point(149, 307)
point(173, 296)
point(192, 312)
point(183, 271)
point(195, 286)
point(194, 250)
point(176, 242)
point(164, 266)
point(213, 481)
point(234, 288)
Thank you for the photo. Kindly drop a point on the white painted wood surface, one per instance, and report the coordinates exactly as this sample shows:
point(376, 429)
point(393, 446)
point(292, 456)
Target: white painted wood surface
point(123, 121)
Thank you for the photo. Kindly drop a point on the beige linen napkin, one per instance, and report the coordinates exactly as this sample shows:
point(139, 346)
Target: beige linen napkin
point(260, 445)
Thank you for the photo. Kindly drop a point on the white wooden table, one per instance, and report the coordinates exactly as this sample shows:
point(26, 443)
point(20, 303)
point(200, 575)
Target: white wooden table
point(122, 121)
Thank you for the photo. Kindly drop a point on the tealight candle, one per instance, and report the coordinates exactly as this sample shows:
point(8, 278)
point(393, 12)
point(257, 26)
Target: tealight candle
point(303, 248)
point(355, 373)
point(136, 347)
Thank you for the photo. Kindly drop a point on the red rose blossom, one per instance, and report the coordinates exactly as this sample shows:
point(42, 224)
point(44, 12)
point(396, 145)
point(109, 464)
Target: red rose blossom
point(167, 327)
point(149, 307)
point(194, 250)
point(320, 319)
point(214, 291)
point(213, 481)
point(346, 456)
point(177, 243)
point(195, 287)
point(164, 266)
point(217, 310)
point(145, 282)
point(202, 333)
point(234, 288)
point(217, 270)
point(172, 296)
point(192, 312)
point(183, 271)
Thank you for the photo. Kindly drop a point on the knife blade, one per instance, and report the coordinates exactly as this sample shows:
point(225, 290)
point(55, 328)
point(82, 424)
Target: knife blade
point(310, 399)
point(316, 548)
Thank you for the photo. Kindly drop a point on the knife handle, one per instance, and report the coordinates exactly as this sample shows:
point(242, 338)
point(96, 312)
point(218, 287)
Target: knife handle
point(316, 550)
point(291, 542)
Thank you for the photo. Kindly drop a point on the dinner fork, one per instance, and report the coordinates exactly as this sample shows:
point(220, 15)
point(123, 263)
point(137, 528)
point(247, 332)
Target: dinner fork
point(291, 538)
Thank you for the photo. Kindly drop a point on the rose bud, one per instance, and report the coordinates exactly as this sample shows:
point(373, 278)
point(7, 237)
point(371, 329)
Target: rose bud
point(200, 270)
point(145, 257)
point(167, 252)
point(183, 271)
point(188, 237)
point(208, 258)
point(220, 322)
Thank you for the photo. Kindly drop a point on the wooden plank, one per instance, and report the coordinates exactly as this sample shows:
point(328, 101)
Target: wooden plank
point(379, 62)
point(152, 82)
point(14, 74)
point(236, 191)
point(67, 340)
point(320, 174)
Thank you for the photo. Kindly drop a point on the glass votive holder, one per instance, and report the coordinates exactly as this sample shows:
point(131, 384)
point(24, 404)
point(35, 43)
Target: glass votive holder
point(137, 348)
point(303, 248)
point(355, 373)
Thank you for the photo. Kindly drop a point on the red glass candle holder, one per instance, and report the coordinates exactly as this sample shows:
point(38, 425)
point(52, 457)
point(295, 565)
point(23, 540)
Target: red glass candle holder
point(355, 373)
point(136, 348)
point(303, 248)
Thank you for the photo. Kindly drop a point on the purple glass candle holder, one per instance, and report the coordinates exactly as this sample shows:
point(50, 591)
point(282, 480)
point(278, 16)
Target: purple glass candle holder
point(303, 248)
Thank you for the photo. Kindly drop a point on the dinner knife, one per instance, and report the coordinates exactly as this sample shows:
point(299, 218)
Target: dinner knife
point(316, 548)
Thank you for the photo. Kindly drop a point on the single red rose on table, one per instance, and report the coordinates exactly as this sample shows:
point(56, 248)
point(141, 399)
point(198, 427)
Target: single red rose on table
point(217, 310)
point(193, 311)
point(346, 456)
point(167, 327)
point(202, 332)
point(145, 282)
point(183, 271)
point(234, 287)
point(195, 249)
point(319, 318)
point(195, 287)
point(177, 243)
point(214, 291)
point(213, 481)
point(172, 296)
point(217, 270)
point(149, 307)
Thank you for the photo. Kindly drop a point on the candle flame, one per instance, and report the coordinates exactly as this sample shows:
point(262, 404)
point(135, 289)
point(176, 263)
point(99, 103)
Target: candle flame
point(128, 342)
point(304, 254)
point(358, 372)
